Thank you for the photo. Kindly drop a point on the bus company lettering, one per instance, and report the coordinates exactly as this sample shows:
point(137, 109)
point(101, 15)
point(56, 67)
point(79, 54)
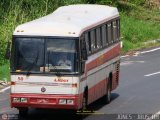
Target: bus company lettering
point(60, 80)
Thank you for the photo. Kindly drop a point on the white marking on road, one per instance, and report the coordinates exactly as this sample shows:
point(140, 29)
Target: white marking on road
point(150, 50)
point(143, 52)
point(155, 116)
point(131, 62)
point(124, 56)
point(152, 74)
point(126, 63)
point(1, 91)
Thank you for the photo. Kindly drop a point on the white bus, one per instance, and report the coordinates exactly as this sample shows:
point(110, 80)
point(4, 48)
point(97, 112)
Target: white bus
point(86, 37)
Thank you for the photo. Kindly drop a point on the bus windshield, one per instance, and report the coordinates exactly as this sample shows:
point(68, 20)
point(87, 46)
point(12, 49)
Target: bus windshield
point(44, 55)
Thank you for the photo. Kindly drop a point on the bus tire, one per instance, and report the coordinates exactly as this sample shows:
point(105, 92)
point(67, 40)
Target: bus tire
point(84, 101)
point(107, 97)
point(23, 112)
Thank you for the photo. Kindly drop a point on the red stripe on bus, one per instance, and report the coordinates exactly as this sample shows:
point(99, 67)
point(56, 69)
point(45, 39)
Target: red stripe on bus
point(109, 55)
point(100, 89)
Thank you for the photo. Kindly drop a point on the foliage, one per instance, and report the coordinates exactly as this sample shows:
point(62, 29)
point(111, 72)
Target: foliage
point(138, 23)
point(105, 2)
point(135, 31)
point(4, 72)
point(137, 2)
point(15, 12)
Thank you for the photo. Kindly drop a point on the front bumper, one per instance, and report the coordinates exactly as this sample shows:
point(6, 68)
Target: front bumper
point(44, 101)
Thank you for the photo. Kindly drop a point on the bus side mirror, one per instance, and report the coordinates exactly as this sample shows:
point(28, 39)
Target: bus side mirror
point(7, 55)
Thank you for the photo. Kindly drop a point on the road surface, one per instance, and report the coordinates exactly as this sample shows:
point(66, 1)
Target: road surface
point(138, 93)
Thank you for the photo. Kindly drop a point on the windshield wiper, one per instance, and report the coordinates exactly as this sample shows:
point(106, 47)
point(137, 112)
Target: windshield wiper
point(56, 70)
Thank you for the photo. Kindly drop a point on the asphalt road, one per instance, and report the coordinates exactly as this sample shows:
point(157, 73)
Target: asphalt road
point(138, 94)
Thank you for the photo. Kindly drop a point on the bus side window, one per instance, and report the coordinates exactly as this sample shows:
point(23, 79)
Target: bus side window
point(83, 49)
point(93, 41)
point(99, 38)
point(118, 29)
point(109, 33)
point(112, 38)
point(104, 35)
point(88, 42)
point(114, 29)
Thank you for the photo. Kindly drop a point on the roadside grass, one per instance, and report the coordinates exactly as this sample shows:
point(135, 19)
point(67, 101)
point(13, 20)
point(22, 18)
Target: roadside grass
point(5, 72)
point(138, 25)
point(135, 31)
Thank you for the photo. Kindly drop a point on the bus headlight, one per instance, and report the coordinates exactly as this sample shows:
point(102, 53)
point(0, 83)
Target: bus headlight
point(16, 99)
point(24, 100)
point(62, 101)
point(70, 102)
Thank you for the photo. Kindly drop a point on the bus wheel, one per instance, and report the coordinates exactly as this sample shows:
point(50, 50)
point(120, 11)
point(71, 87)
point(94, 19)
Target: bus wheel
point(23, 112)
point(84, 102)
point(107, 97)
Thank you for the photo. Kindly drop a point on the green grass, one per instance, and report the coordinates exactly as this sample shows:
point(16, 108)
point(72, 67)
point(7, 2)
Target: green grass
point(139, 23)
point(136, 31)
point(4, 72)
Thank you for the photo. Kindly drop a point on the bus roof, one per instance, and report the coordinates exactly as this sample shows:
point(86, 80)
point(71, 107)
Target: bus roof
point(71, 21)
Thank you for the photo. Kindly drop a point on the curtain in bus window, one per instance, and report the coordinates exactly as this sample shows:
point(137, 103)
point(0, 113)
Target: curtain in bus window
point(88, 42)
point(109, 31)
point(93, 40)
point(99, 37)
point(118, 29)
point(114, 31)
point(104, 35)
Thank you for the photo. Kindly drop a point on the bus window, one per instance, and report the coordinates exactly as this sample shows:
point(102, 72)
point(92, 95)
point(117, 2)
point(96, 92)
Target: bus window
point(118, 29)
point(114, 29)
point(60, 55)
point(99, 38)
point(88, 42)
point(33, 55)
point(109, 33)
point(28, 54)
point(104, 35)
point(93, 41)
